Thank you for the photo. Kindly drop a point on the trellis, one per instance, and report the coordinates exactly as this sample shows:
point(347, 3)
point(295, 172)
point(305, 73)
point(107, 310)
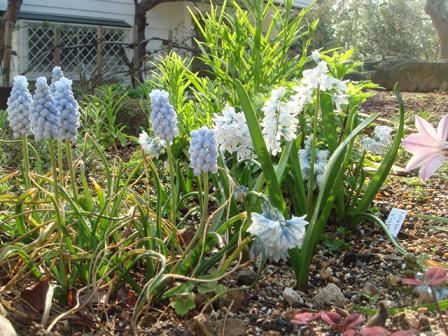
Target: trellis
point(76, 48)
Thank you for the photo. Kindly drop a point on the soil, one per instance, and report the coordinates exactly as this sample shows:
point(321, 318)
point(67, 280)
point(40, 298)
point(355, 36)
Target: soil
point(365, 266)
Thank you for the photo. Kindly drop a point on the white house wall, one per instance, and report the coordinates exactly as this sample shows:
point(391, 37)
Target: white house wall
point(167, 19)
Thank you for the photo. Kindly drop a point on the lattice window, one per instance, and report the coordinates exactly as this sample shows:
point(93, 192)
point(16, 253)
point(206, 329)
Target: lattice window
point(78, 48)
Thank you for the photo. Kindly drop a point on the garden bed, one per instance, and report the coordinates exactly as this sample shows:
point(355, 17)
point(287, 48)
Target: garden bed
point(362, 264)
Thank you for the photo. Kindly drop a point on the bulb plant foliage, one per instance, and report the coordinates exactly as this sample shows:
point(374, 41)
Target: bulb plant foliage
point(274, 149)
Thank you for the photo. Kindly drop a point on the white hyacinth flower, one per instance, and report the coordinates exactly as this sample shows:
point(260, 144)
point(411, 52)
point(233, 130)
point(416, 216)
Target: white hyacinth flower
point(19, 105)
point(339, 100)
point(67, 105)
point(45, 117)
point(279, 122)
point(319, 77)
point(320, 162)
point(232, 133)
point(151, 146)
point(315, 55)
point(380, 140)
point(277, 234)
point(302, 96)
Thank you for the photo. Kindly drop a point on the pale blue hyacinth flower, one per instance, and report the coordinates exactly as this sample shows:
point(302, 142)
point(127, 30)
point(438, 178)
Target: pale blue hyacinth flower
point(151, 146)
point(320, 162)
point(203, 151)
point(163, 116)
point(277, 234)
point(67, 106)
point(45, 118)
point(19, 105)
point(56, 75)
point(380, 140)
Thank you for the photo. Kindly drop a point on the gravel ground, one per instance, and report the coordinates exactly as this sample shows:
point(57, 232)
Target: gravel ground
point(366, 268)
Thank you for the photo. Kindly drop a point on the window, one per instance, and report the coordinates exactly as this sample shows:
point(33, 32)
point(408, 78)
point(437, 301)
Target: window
point(77, 48)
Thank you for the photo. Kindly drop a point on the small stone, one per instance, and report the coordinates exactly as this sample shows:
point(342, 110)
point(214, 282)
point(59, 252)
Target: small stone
point(231, 327)
point(329, 296)
point(411, 320)
point(393, 281)
point(276, 313)
point(273, 333)
point(291, 296)
point(246, 277)
point(6, 328)
point(279, 324)
point(334, 280)
point(423, 310)
point(325, 273)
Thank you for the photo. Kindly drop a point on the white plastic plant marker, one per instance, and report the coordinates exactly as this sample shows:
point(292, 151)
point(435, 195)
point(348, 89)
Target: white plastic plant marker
point(395, 220)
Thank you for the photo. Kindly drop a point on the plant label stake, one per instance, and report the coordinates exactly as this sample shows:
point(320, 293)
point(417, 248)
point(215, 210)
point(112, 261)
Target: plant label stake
point(395, 220)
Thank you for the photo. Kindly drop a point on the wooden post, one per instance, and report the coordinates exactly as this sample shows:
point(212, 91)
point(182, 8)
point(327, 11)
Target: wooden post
point(136, 65)
point(57, 47)
point(99, 52)
point(9, 25)
point(170, 40)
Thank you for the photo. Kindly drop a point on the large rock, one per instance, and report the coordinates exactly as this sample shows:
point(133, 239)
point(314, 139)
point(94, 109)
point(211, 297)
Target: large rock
point(413, 75)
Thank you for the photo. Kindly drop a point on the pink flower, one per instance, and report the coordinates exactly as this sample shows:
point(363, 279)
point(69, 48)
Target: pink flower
point(429, 147)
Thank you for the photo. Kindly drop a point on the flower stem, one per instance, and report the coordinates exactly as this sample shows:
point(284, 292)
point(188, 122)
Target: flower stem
point(26, 163)
point(68, 149)
point(439, 311)
point(313, 157)
point(203, 222)
point(172, 185)
point(54, 169)
point(59, 220)
point(60, 162)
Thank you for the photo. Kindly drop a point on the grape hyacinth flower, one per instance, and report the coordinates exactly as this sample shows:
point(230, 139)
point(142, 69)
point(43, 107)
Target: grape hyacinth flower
point(151, 146)
point(68, 108)
point(280, 121)
point(277, 234)
point(163, 116)
point(19, 105)
point(429, 147)
point(44, 114)
point(232, 133)
point(380, 140)
point(56, 75)
point(203, 151)
point(321, 160)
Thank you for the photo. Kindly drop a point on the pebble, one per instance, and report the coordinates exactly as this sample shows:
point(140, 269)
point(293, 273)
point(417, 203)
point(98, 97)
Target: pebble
point(291, 296)
point(246, 277)
point(6, 328)
point(329, 296)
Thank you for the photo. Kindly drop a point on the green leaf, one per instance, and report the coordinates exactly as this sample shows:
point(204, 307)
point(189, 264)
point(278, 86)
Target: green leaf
point(329, 122)
point(183, 304)
point(298, 187)
point(275, 193)
point(207, 287)
point(381, 175)
point(324, 202)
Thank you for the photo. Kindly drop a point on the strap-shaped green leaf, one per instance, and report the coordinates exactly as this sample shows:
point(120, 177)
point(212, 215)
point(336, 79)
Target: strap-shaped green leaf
point(275, 193)
point(381, 175)
point(324, 200)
